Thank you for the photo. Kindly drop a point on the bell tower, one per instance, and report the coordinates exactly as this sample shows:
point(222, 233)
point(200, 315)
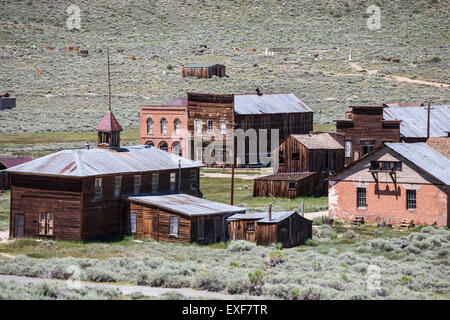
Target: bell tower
point(109, 128)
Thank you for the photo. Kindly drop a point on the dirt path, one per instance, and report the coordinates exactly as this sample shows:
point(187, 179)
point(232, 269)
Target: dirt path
point(312, 215)
point(127, 289)
point(359, 68)
point(429, 83)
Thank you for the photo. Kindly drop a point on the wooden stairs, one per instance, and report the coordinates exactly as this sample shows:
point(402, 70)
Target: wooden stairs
point(406, 224)
point(359, 220)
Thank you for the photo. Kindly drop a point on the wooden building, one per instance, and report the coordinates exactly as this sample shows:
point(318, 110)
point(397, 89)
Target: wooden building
point(365, 130)
point(81, 194)
point(397, 183)
point(200, 70)
point(265, 228)
point(6, 102)
point(204, 118)
point(6, 163)
point(304, 162)
point(179, 218)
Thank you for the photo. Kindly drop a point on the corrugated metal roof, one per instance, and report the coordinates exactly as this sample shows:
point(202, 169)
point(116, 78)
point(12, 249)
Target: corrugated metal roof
point(403, 104)
point(109, 123)
point(200, 65)
point(263, 217)
point(414, 120)
point(11, 162)
point(187, 205)
point(426, 158)
point(318, 141)
point(268, 103)
point(93, 162)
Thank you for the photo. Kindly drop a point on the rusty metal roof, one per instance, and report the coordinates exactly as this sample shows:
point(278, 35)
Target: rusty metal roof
point(318, 141)
point(109, 123)
point(425, 157)
point(187, 205)
point(11, 162)
point(268, 103)
point(441, 144)
point(414, 120)
point(262, 217)
point(95, 162)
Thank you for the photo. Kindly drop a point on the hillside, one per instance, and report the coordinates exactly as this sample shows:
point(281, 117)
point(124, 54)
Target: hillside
point(70, 92)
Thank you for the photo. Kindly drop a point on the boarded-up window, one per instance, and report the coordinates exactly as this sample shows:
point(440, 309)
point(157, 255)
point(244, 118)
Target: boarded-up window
point(46, 224)
point(117, 186)
point(98, 188)
point(201, 228)
point(133, 222)
point(155, 183)
point(174, 226)
point(411, 199)
point(137, 184)
point(173, 181)
point(348, 149)
point(361, 197)
point(193, 179)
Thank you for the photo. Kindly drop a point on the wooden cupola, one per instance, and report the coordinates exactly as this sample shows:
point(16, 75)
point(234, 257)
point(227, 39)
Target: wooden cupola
point(109, 132)
point(109, 128)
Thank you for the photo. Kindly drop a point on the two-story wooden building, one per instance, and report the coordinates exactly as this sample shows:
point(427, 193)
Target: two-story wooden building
point(394, 183)
point(304, 162)
point(365, 129)
point(91, 193)
point(194, 123)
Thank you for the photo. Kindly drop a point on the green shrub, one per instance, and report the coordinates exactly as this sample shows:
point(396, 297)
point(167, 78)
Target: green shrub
point(349, 234)
point(210, 281)
point(237, 286)
point(137, 295)
point(276, 257)
point(256, 276)
point(241, 246)
point(311, 243)
point(326, 231)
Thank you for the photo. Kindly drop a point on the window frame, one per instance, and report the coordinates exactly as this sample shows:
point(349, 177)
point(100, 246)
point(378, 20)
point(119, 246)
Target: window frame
point(290, 183)
point(223, 127)
point(176, 126)
point(193, 180)
point(295, 156)
point(198, 126)
point(361, 197)
point(155, 182)
point(348, 149)
point(137, 183)
point(46, 224)
point(117, 186)
point(411, 204)
point(210, 126)
point(173, 181)
point(133, 222)
point(163, 124)
point(150, 124)
point(98, 188)
point(172, 226)
point(250, 227)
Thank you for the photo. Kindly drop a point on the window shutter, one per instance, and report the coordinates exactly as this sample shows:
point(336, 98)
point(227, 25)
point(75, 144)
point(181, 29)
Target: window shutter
point(42, 218)
point(50, 223)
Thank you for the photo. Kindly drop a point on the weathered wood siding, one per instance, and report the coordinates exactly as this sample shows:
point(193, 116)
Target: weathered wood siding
point(204, 72)
point(237, 230)
point(31, 195)
point(4, 180)
point(307, 186)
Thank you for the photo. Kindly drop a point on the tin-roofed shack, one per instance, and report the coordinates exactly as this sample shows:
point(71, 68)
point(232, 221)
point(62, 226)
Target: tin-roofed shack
point(6, 163)
point(202, 70)
point(179, 218)
point(266, 228)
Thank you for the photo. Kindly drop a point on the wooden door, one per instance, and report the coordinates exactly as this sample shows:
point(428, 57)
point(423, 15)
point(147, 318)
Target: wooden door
point(18, 225)
point(147, 227)
point(250, 231)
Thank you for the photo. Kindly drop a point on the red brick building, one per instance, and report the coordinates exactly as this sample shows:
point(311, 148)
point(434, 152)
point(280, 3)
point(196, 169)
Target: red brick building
point(395, 182)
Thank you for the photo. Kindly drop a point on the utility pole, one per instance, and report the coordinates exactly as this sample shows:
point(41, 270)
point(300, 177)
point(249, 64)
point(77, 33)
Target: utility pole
point(109, 80)
point(232, 177)
point(428, 118)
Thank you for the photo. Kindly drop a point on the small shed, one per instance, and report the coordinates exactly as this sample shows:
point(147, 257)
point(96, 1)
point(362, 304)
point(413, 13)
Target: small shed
point(179, 218)
point(200, 70)
point(6, 102)
point(6, 163)
point(287, 185)
point(265, 228)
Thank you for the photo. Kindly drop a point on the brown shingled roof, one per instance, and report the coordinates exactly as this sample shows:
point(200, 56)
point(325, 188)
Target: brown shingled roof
point(441, 144)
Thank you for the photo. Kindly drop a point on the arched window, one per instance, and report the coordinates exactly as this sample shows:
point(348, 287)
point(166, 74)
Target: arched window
point(177, 125)
point(163, 146)
point(176, 148)
point(150, 143)
point(163, 125)
point(149, 125)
